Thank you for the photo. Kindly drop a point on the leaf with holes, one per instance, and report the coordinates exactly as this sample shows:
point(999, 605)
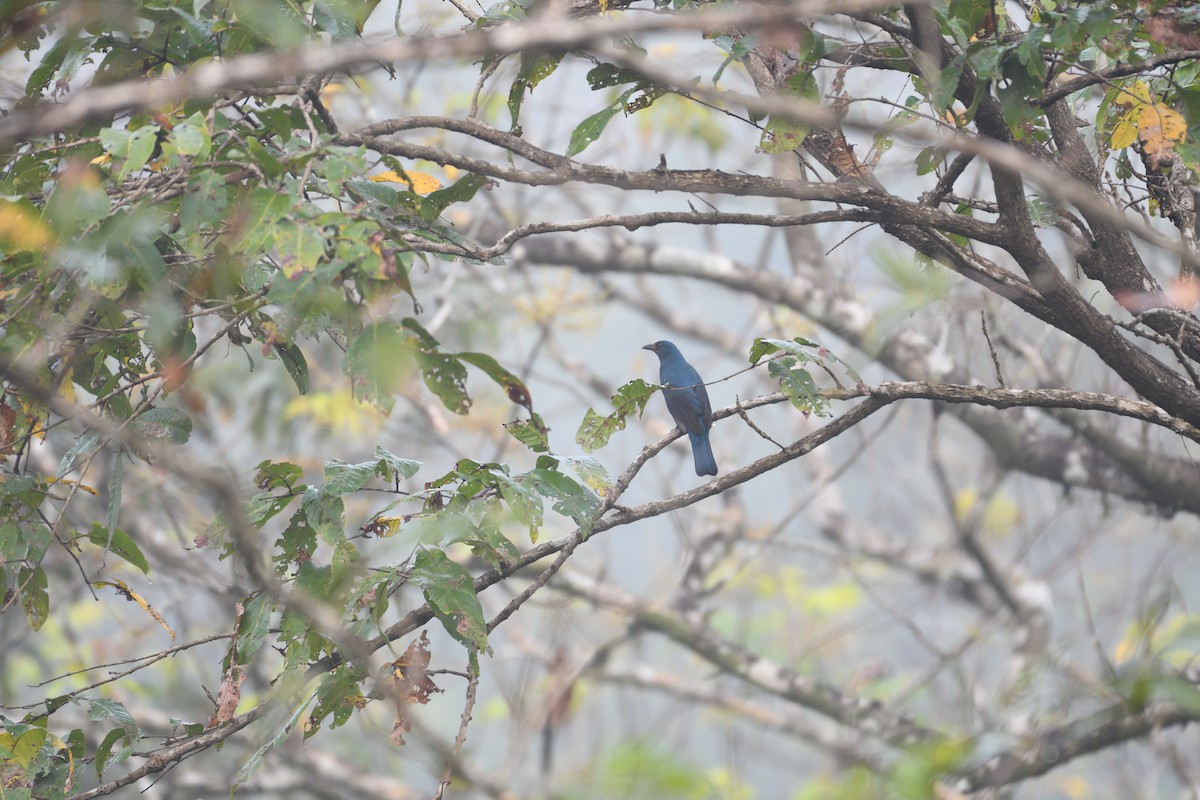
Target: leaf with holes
point(378, 362)
point(595, 430)
point(450, 592)
point(169, 425)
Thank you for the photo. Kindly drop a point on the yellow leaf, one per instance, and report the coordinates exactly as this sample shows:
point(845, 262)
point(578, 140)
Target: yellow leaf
point(1128, 645)
point(133, 597)
point(1075, 787)
point(331, 89)
point(386, 526)
point(1134, 95)
point(337, 412)
point(1126, 132)
point(103, 158)
point(964, 501)
point(1001, 516)
point(835, 599)
point(66, 390)
point(68, 482)
point(22, 229)
point(1160, 128)
point(419, 182)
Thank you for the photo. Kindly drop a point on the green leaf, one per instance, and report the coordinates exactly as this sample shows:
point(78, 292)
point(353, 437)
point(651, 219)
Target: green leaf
point(462, 191)
point(593, 473)
point(131, 148)
point(100, 709)
point(104, 751)
point(798, 385)
point(782, 135)
point(796, 382)
point(253, 626)
point(119, 543)
point(191, 137)
point(532, 433)
point(603, 76)
point(590, 129)
point(280, 24)
point(163, 424)
point(450, 592)
point(61, 59)
point(281, 475)
point(930, 159)
point(27, 745)
point(342, 478)
point(256, 219)
point(378, 362)
point(297, 543)
point(595, 430)
point(299, 247)
point(114, 491)
point(1023, 83)
point(324, 513)
point(426, 339)
point(35, 599)
point(947, 83)
point(84, 446)
point(342, 19)
point(294, 362)
point(534, 69)
point(446, 377)
point(395, 465)
point(334, 696)
point(263, 507)
point(525, 504)
point(487, 541)
point(568, 497)
point(1182, 692)
point(513, 386)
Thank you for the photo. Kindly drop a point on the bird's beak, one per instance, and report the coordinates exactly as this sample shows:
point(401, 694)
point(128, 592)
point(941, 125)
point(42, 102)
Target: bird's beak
point(648, 347)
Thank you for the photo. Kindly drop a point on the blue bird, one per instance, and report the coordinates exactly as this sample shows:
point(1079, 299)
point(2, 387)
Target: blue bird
point(687, 400)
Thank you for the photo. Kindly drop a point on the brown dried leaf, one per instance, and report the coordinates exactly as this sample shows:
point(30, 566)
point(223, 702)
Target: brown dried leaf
point(405, 681)
point(8, 422)
point(228, 697)
point(400, 727)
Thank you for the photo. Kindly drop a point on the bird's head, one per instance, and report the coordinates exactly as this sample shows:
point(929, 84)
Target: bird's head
point(661, 348)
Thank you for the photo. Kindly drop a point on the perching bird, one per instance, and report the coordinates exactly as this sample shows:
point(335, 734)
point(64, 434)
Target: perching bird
point(687, 400)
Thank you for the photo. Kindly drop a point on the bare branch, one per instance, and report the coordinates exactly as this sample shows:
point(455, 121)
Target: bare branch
point(547, 32)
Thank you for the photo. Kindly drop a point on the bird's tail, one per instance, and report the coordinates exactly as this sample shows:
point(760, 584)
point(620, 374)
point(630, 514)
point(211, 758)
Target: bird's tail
point(702, 453)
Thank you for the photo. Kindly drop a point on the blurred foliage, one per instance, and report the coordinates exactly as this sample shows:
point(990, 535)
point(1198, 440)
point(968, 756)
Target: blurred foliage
point(133, 245)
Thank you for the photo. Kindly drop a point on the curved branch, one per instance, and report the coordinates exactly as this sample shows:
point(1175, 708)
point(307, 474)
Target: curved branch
point(561, 170)
point(632, 222)
point(1037, 398)
point(1055, 747)
point(864, 715)
point(1063, 89)
point(1069, 460)
point(623, 516)
point(178, 752)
